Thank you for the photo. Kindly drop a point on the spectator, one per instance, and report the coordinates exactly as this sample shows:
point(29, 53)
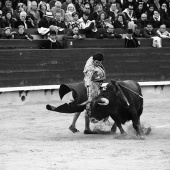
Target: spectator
point(101, 20)
point(75, 21)
point(2, 21)
point(45, 2)
point(21, 34)
point(52, 42)
point(79, 6)
point(87, 27)
point(47, 20)
point(157, 5)
point(57, 9)
point(156, 20)
point(119, 4)
point(142, 22)
point(7, 7)
point(120, 22)
point(24, 20)
point(130, 13)
point(74, 33)
point(9, 20)
point(107, 32)
point(138, 33)
point(113, 12)
point(130, 41)
point(88, 10)
point(60, 24)
point(42, 10)
point(162, 32)
point(129, 2)
point(1, 5)
point(7, 34)
point(164, 12)
point(65, 4)
point(148, 32)
point(105, 5)
point(52, 3)
point(150, 11)
point(19, 9)
point(68, 15)
point(99, 9)
point(139, 11)
point(34, 13)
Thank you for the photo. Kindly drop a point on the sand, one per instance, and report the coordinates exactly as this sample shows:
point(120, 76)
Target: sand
point(33, 138)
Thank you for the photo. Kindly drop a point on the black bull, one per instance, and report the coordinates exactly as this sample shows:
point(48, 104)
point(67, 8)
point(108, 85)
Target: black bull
point(121, 100)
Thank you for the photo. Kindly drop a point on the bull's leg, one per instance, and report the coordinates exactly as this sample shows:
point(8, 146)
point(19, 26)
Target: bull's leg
point(114, 128)
point(118, 124)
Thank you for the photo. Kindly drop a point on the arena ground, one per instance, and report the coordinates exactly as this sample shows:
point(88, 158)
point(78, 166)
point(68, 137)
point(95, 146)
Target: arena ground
point(33, 138)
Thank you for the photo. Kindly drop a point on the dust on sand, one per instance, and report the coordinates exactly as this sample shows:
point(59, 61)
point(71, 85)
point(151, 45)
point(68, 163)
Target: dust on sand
point(33, 138)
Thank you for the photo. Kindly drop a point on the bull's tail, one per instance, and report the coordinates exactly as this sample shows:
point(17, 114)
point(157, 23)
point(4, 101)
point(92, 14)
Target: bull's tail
point(51, 108)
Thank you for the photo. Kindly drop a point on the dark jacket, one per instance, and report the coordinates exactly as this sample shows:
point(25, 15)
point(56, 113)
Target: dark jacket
point(44, 23)
point(141, 23)
point(148, 34)
point(22, 36)
point(2, 23)
point(102, 33)
point(51, 45)
point(118, 24)
point(131, 43)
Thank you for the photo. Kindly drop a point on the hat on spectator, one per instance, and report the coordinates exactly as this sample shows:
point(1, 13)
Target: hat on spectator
point(6, 28)
point(129, 31)
point(48, 14)
point(21, 26)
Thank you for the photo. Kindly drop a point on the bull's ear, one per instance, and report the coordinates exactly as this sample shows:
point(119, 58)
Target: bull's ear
point(113, 82)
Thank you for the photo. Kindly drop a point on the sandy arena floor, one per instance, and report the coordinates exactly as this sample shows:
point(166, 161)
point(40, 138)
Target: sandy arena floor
point(32, 138)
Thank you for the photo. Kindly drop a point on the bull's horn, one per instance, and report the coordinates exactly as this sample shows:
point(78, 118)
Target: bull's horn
point(84, 103)
point(104, 101)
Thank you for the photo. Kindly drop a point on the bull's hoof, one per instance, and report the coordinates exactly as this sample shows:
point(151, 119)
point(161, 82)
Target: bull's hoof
point(124, 134)
point(147, 131)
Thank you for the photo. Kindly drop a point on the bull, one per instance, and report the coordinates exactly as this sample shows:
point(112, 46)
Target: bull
point(122, 101)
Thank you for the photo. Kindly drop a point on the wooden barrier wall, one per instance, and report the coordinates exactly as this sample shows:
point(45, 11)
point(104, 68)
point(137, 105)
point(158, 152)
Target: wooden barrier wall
point(53, 67)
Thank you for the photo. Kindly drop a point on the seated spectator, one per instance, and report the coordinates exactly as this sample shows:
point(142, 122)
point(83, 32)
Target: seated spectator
point(129, 2)
point(59, 23)
point(164, 12)
point(107, 32)
point(42, 10)
point(104, 3)
point(142, 22)
point(120, 22)
point(2, 21)
point(7, 7)
point(65, 4)
point(47, 20)
point(24, 20)
point(148, 32)
point(57, 9)
point(102, 20)
point(156, 19)
point(68, 15)
point(137, 32)
point(88, 10)
point(87, 27)
point(74, 33)
point(130, 41)
point(162, 32)
point(130, 13)
point(52, 3)
point(99, 9)
point(79, 6)
point(157, 5)
point(75, 20)
point(113, 12)
point(9, 20)
point(139, 11)
point(150, 11)
point(34, 13)
point(52, 42)
point(7, 34)
point(21, 34)
point(19, 9)
point(44, 2)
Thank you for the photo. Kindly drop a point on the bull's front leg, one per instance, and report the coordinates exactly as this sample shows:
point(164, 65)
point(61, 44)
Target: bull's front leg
point(118, 124)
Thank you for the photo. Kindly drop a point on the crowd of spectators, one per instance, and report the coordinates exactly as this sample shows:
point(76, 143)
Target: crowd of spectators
point(92, 18)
